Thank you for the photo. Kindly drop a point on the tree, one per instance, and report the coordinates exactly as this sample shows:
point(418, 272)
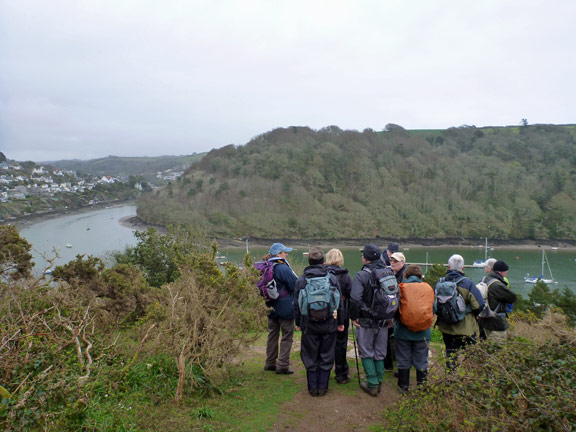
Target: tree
point(15, 258)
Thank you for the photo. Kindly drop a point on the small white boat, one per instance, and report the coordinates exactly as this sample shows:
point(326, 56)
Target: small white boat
point(68, 245)
point(480, 263)
point(535, 279)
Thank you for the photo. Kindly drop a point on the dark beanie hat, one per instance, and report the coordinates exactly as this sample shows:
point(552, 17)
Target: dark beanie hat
point(393, 247)
point(371, 252)
point(500, 266)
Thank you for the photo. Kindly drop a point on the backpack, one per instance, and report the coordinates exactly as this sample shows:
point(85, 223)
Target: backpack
point(450, 305)
point(416, 302)
point(487, 312)
point(319, 299)
point(385, 295)
point(267, 285)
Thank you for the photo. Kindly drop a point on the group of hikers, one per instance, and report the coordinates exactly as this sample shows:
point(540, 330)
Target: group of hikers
point(386, 301)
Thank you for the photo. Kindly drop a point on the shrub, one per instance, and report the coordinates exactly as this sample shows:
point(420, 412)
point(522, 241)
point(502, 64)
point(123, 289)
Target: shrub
point(523, 385)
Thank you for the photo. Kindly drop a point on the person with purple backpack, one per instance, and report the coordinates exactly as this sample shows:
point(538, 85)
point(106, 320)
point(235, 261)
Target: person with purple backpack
point(281, 317)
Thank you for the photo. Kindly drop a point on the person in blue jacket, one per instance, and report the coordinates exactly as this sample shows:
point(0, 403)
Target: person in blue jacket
point(281, 317)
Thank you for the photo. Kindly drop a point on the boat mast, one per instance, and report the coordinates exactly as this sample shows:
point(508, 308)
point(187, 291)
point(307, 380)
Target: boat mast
point(548, 264)
point(485, 248)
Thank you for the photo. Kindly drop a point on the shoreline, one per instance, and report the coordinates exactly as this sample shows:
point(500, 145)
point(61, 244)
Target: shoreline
point(134, 222)
point(41, 217)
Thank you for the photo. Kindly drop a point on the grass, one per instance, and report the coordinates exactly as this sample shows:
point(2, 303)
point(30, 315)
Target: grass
point(251, 400)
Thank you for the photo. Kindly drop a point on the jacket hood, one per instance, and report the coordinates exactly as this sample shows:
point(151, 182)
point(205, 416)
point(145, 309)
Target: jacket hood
point(374, 264)
point(494, 275)
point(336, 270)
point(316, 270)
point(453, 275)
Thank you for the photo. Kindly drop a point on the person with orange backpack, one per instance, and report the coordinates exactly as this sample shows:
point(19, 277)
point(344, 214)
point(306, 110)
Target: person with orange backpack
point(412, 328)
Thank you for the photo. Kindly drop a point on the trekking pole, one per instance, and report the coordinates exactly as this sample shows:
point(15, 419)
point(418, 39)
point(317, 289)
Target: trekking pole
point(356, 353)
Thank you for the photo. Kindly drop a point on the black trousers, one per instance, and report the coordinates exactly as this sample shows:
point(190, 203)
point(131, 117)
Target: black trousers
point(341, 362)
point(317, 350)
point(455, 343)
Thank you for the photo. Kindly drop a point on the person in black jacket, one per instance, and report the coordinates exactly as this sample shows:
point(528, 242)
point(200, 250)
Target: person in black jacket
point(334, 263)
point(318, 336)
point(499, 295)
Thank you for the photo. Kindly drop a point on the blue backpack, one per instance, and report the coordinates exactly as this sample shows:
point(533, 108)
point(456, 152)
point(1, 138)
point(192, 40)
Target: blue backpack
point(319, 299)
point(449, 303)
point(385, 300)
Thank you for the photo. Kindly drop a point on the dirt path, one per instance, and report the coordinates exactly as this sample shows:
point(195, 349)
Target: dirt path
point(344, 408)
point(338, 411)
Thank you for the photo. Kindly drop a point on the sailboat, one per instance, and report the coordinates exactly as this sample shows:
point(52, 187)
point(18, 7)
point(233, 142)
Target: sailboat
point(479, 263)
point(534, 279)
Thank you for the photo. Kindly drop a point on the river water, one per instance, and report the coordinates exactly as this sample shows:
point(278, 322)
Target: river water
point(93, 232)
point(97, 232)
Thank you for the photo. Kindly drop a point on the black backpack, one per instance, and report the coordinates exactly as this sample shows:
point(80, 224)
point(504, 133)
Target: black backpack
point(385, 294)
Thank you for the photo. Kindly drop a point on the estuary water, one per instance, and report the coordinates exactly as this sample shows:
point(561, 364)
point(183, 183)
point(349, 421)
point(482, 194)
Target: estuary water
point(93, 232)
point(98, 232)
point(521, 262)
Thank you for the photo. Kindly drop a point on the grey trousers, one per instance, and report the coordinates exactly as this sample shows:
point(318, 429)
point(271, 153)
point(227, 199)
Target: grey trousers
point(410, 353)
point(372, 342)
point(274, 327)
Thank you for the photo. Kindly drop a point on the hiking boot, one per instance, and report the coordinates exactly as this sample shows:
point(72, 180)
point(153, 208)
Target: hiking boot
point(342, 379)
point(313, 393)
point(270, 368)
point(372, 391)
point(322, 392)
point(403, 380)
point(286, 371)
point(421, 377)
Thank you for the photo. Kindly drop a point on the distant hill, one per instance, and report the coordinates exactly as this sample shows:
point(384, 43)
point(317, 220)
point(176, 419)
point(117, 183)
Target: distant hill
point(501, 182)
point(117, 166)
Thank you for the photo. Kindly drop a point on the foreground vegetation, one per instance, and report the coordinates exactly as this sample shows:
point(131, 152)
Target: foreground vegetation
point(528, 384)
point(159, 341)
point(76, 350)
point(506, 183)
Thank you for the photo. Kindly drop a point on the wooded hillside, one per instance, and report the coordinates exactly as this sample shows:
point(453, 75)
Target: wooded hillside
point(509, 183)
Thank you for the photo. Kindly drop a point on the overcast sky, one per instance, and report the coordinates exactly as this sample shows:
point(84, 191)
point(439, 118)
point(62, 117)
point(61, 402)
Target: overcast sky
point(92, 78)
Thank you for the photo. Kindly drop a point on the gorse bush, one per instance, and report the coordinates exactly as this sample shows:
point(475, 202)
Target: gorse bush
point(77, 352)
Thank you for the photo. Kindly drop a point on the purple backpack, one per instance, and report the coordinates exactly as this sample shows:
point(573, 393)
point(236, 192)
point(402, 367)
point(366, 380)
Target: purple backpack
point(267, 284)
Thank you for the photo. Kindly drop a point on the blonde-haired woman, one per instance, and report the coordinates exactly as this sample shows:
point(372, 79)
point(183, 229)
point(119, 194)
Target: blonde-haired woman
point(334, 260)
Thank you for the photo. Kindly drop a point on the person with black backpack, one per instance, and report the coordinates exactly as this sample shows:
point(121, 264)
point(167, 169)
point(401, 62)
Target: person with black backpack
point(457, 304)
point(319, 313)
point(373, 304)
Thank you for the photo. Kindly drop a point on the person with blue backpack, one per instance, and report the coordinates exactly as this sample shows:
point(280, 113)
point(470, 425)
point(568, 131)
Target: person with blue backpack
point(319, 313)
point(457, 303)
point(281, 316)
point(373, 304)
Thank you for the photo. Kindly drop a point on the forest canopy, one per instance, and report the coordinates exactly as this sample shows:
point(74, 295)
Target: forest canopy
point(296, 182)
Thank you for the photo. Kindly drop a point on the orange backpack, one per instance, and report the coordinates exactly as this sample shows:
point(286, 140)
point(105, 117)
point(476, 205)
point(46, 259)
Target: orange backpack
point(416, 303)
